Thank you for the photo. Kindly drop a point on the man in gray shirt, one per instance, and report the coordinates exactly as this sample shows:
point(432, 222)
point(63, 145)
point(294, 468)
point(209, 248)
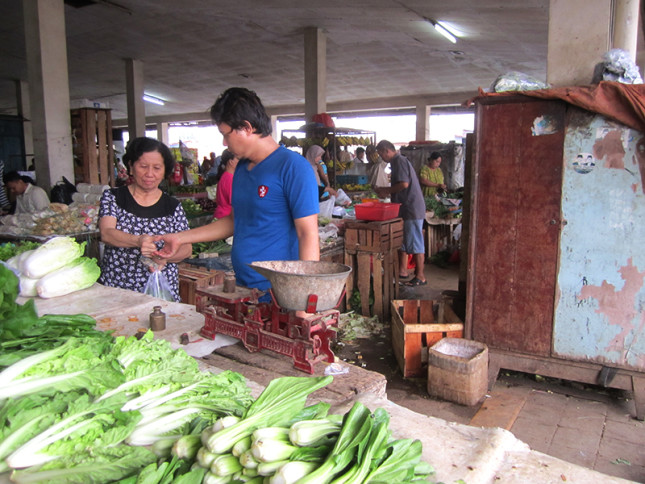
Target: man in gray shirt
point(405, 189)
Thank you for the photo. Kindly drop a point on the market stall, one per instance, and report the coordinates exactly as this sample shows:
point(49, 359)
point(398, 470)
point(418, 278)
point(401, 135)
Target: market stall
point(476, 455)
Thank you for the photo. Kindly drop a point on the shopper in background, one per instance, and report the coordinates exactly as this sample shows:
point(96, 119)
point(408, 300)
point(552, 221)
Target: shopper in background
point(314, 156)
point(206, 166)
point(377, 174)
point(406, 190)
point(224, 195)
point(130, 216)
point(29, 198)
point(431, 176)
point(275, 199)
point(360, 155)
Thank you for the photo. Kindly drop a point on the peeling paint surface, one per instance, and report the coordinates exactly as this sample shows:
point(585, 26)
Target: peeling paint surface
point(600, 305)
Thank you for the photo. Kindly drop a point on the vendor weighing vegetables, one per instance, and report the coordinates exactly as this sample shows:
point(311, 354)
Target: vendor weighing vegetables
point(131, 215)
point(275, 199)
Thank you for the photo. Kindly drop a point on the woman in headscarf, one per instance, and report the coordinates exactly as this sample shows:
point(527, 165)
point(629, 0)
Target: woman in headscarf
point(314, 156)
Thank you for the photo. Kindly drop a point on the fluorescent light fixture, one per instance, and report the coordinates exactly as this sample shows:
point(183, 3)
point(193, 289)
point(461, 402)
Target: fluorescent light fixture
point(153, 100)
point(443, 30)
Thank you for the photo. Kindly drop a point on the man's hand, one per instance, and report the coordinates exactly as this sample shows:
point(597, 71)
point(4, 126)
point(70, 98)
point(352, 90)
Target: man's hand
point(171, 245)
point(382, 192)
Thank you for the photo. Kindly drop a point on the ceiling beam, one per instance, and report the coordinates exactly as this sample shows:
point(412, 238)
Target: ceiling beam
point(361, 105)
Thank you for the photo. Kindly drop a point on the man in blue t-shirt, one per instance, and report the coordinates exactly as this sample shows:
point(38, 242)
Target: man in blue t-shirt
point(275, 198)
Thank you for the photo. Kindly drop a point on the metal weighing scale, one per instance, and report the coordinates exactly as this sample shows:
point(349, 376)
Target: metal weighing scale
point(315, 287)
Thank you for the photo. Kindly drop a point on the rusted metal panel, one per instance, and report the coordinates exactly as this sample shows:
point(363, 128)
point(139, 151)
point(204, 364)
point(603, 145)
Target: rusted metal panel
point(600, 310)
point(516, 223)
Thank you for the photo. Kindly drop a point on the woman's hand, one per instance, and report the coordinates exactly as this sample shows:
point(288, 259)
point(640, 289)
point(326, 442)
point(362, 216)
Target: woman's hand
point(147, 245)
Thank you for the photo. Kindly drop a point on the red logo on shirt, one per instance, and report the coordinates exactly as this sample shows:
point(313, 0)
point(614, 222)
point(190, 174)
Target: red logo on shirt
point(263, 190)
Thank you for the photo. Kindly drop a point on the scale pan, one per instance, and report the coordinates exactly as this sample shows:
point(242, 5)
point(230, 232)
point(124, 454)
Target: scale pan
point(292, 281)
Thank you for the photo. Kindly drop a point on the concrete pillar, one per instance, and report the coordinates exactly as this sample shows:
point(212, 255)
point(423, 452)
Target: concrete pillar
point(134, 96)
point(24, 111)
point(423, 123)
point(162, 133)
point(579, 35)
point(46, 49)
point(315, 72)
point(625, 35)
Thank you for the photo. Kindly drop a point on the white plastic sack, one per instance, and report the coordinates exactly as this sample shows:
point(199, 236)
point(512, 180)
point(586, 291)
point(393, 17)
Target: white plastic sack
point(327, 207)
point(342, 198)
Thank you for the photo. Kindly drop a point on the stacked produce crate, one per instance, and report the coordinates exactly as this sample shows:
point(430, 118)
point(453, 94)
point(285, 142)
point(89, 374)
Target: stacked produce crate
point(371, 251)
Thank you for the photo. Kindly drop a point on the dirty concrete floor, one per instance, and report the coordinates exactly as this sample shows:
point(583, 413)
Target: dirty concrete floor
point(584, 424)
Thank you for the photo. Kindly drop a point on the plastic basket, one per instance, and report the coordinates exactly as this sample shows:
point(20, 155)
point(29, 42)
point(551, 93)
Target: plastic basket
point(377, 211)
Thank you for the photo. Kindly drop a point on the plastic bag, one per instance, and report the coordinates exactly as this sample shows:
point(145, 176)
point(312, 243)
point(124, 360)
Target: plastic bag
point(517, 81)
point(617, 66)
point(342, 198)
point(327, 207)
point(157, 285)
point(62, 192)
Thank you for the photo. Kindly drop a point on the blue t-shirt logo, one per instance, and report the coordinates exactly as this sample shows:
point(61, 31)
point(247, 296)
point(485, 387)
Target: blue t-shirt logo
point(263, 190)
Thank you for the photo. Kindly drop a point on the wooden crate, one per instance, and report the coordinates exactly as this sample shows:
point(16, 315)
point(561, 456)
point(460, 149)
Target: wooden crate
point(192, 277)
point(380, 236)
point(417, 325)
point(92, 146)
point(371, 251)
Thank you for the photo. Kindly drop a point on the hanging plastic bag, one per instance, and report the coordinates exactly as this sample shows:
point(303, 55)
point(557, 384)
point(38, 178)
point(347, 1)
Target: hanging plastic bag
point(157, 285)
point(62, 192)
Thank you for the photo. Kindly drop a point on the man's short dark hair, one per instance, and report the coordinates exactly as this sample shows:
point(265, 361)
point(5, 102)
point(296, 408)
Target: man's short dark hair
point(11, 176)
point(236, 106)
point(138, 146)
point(359, 150)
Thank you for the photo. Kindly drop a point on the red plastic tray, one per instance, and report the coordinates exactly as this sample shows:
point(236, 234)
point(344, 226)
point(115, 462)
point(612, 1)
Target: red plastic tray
point(376, 211)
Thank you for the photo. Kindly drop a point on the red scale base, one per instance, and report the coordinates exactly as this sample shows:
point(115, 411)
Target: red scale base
point(267, 326)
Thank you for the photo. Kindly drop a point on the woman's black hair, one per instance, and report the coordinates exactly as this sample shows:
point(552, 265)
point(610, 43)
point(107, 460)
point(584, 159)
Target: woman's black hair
point(226, 157)
point(138, 146)
point(434, 155)
point(236, 106)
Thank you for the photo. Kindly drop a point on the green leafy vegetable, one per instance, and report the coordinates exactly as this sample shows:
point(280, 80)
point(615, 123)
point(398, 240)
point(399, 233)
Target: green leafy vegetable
point(79, 274)
point(52, 255)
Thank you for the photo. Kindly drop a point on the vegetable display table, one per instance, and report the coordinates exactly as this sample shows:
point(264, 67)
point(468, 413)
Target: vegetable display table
point(457, 451)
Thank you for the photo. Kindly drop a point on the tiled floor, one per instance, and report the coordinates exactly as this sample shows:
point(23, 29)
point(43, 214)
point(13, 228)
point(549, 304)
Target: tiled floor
point(583, 424)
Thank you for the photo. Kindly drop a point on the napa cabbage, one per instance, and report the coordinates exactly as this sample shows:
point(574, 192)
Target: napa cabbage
point(80, 274)
point(52, 255)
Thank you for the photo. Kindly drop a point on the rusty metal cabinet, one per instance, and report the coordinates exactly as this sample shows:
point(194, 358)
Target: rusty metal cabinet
point(557, 218)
